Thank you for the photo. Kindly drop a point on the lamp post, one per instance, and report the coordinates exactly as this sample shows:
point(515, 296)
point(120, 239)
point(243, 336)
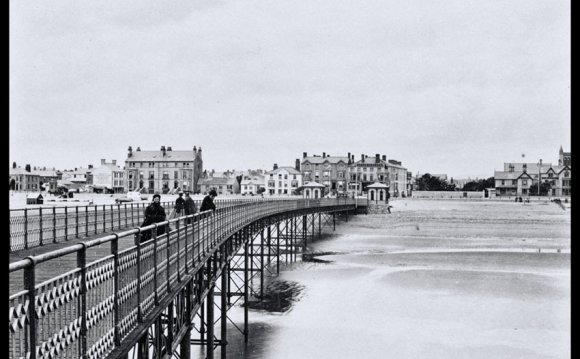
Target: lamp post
point(539, 176)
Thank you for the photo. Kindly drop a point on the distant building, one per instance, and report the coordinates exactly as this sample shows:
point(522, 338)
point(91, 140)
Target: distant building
point(282, 180)
point(24, 180)
point(108, 177)
point(331, 171)
point(517, 178)
point(162, 171)
point(251, 183)
point(221, 184)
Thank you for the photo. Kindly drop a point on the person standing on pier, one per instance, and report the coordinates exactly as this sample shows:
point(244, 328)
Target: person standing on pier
point(207, 203)
point(179, 204)
point(154, 213)
point(189, 206)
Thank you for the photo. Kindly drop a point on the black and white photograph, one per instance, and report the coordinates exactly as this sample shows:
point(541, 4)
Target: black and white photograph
point(261, 179)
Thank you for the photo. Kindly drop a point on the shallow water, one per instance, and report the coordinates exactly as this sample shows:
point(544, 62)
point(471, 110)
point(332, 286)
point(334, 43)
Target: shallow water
point(435, 279)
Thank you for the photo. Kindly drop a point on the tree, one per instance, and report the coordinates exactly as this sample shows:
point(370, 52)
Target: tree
point(431, 183)
point(261, 190)
point(479, 185)
point(545, 188)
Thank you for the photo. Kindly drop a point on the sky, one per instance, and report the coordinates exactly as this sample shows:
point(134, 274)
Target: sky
point(456, 87)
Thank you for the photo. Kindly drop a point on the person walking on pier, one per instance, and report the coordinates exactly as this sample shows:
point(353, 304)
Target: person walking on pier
point(207, 203)
point(154, 213)
point(189, 206)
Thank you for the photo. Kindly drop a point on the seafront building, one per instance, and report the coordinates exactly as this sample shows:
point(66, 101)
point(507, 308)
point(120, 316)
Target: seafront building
point(517, 178)
point(221, 182)
point(344, 174)
point(108, 177)
point(163, 170)
point(282, 180)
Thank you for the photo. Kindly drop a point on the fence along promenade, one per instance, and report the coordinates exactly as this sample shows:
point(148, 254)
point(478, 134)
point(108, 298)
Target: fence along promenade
point(90, 310)
point(35, 227)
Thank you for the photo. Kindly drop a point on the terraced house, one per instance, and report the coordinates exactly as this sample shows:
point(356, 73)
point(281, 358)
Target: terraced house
point(282, 180)
point(162, 171)
point(330, 171)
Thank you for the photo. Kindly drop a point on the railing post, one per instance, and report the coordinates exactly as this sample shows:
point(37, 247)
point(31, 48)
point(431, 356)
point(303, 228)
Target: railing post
point(86, 221)
point(116, 309)
point(104, 219)
point(139, 307)
point(132, 216)
point(77, 222)
point(25, 228)
point(53, 224)
point(66, 223)
point(82, 264)
point(96, 217)
point(119, 214)
point(112, 218)
point(29, 284)
point(155, 261)
point(178, 250)
point(40, 223)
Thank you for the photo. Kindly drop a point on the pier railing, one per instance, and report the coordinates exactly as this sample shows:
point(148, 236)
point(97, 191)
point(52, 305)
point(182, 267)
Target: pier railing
point(33, 227)
point(89, 310)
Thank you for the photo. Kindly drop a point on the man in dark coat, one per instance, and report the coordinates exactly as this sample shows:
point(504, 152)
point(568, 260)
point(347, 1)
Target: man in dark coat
point(207, 203)
point(179, 204)
point(189, 206)
point(154, 213)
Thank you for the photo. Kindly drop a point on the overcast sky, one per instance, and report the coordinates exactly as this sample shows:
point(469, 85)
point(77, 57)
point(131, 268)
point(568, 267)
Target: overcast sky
point(454, 86)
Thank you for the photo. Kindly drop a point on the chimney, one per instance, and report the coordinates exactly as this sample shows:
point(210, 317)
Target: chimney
point(138, 149)
point(377, 158)
point(304, 154)
point(114, 162)
point(163, 150)
point(297, 165)
point(102, 162)
point(13, 164)
point(194, 149)
point(362, 158)
point(169, 148)
point(90, 167)
point(323, 154)
point(130, 151)
point(76, 169)
point(27, 168)
point(275, 166)
point(384, 157)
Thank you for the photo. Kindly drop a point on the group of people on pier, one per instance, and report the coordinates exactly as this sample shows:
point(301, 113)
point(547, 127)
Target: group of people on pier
point(155, 213)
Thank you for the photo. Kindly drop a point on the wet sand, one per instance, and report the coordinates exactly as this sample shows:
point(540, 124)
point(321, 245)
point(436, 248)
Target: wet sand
point(435, 279)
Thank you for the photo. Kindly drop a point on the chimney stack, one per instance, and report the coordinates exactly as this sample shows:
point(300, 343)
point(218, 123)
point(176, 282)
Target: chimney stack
point(102, 161)
point(90, 167)
point(297, 165)
point(168, 148)
point(130, 151)
point(163, 150)
point(362, 158)
point(377, 158)
point(138, 149)
point(114, 162)
point(384, 157)
point(275, 166)
point(304, 154)
point(323, 154)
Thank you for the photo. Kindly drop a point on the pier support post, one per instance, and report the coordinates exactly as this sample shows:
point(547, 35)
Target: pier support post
point(210, 304)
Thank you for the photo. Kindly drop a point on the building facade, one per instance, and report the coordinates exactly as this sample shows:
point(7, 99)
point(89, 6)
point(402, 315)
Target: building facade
point(251, 184)
point(517, 178)
point(162, 171)
point(340, 175)
point(23, 180)
point(282, 180)
point(108, 177)
point(331, 171)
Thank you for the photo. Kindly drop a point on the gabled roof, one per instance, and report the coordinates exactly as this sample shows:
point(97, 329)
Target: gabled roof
point(216, 181)
point(157, 156)
point(329, 159)
point(564, 168)
point(506, 175)
point(290, 170)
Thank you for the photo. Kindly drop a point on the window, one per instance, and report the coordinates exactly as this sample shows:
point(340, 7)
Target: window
point(524, 182)
point(165, 175)
point(293, 176)
point(175, 174)
point(151, 175)
point(514, 182)
point(502, 182)
point(550, 175)
point(371, 177)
